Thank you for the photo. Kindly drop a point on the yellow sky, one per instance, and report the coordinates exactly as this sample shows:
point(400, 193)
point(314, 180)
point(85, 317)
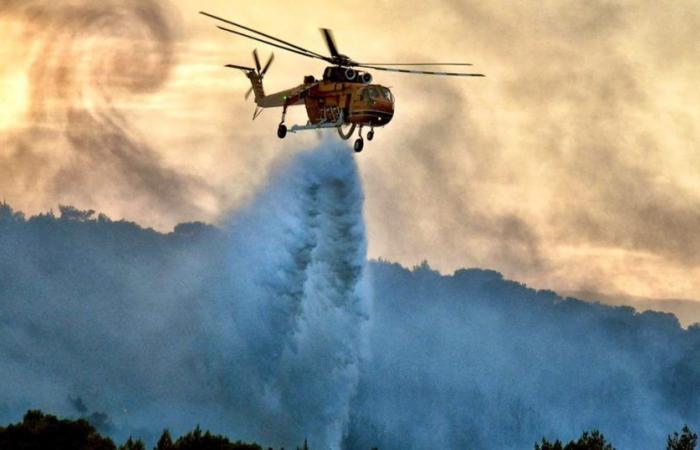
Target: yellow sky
point(573, 165)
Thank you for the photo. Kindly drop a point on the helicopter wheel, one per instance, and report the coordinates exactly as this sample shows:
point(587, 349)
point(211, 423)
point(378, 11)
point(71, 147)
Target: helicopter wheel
point(370, 135)
point(359, 145)
point(281, 131)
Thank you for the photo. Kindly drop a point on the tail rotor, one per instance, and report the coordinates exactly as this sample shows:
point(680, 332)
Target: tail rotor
point(267, 64)
point(260, 71)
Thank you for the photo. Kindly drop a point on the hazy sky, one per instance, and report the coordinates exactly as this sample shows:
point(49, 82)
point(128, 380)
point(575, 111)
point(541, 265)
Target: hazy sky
point(573, 166)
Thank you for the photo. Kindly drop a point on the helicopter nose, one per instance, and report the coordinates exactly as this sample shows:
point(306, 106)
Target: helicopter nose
point(384, 112)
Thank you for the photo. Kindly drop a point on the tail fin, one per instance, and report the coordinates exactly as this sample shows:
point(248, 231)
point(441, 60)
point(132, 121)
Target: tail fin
point(255, 76)
point(256, 87)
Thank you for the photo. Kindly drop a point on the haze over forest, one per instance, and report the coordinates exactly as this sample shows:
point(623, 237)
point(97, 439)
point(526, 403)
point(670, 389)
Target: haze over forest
point(275, 328)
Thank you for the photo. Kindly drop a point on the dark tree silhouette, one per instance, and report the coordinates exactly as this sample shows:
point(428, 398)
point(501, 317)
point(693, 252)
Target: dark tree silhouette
point(546, 445)
point(593, 440)
point(131, 444)
point(73, 213)
point(39, 431)
point(686, 441)
point(165, 442)
point(196, 440)
point(590, 441)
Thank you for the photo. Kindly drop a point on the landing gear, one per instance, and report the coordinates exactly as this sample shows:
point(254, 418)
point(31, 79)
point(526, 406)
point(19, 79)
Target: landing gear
point(370, 135)
point(346, 135)
point(281, 131)
point(359, 144)
point(282, 128)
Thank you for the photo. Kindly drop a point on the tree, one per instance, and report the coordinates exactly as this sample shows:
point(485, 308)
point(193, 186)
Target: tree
point(133, 445)
point(590, 441)
point(686, 441)
point(165, 442)
point(196, 440)
point(593, 440)
point(546, 445)
point(73, 213)
point(39, 431)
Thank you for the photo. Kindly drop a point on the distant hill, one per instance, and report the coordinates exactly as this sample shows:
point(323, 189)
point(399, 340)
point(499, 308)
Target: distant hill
point(687, 311)
point(146, 331)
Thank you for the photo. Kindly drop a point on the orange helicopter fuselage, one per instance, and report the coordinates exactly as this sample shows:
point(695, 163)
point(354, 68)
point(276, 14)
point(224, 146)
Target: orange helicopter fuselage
point(360, 104)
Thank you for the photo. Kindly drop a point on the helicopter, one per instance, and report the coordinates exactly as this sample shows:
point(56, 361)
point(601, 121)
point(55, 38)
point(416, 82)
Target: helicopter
point(343, 97)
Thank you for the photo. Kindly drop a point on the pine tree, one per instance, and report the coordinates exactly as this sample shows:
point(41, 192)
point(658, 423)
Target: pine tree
point(131, 444)
point(546, 445)
point(590, 441)
point(165, 442)
point(686, 441)
point(593, 440)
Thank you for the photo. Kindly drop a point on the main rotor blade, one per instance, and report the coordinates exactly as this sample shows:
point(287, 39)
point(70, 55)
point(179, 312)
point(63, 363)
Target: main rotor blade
point(419, 64)
point(423, 72)
point(273, 44)
point(261, 33)
point(330, 41)
point(257, 60)
point(267, 64)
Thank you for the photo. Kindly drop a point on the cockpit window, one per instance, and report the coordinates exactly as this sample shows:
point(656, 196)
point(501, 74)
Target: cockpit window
point(368, 94)
point(386, 93)
point(376, 93)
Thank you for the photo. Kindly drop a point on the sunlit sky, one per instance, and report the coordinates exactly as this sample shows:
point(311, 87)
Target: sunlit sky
point(572, 166)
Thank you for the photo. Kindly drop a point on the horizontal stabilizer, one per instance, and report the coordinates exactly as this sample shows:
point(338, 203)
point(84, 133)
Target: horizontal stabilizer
point(233, 66)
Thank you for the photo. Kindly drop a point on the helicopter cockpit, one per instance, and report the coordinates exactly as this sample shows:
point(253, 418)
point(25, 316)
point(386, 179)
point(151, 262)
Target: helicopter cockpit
point(373, 93)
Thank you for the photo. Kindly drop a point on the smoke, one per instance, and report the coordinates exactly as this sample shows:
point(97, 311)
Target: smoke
point(256, 333)
point(274, 329)
point(85, 58)
point(575, 147)
point(471, 360)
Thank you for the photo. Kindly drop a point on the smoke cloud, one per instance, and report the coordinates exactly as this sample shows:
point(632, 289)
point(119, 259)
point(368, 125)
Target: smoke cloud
point(581, 133)
point(86, 58)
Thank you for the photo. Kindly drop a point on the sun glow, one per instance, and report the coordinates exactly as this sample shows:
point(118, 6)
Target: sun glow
point(13, 100)
point(14, 86)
